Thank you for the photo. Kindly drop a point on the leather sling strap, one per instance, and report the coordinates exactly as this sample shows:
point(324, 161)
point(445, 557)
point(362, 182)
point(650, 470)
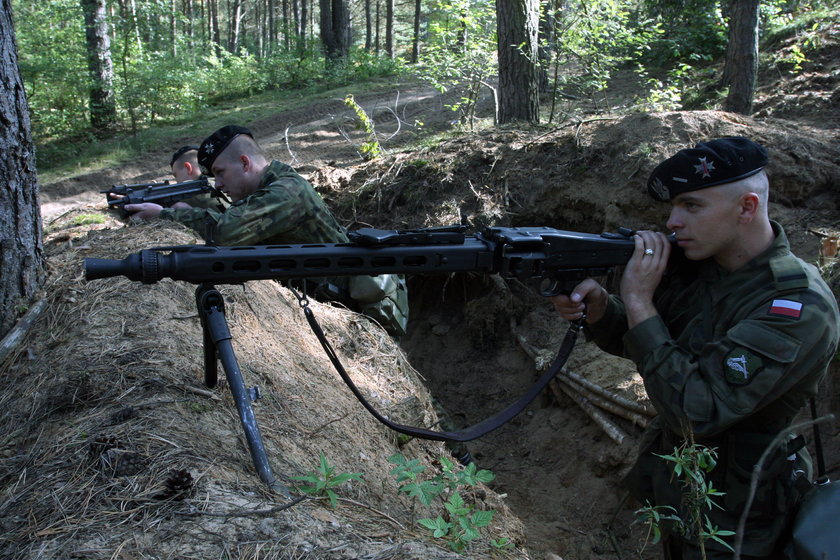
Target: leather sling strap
point(468, 434)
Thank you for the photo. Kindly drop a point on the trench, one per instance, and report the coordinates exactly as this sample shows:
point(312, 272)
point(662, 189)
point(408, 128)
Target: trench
point(558, 472)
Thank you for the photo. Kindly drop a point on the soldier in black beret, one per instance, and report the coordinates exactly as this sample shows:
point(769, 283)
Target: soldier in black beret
point(272, 205)
point(731, 334)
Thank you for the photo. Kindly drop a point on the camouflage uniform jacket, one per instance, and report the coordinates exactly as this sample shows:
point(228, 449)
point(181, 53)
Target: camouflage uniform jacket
point(734, 355)
point(287, 210)
point(284, 209)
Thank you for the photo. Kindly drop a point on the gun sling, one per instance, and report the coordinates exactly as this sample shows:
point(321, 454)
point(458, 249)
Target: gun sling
point(468, 434)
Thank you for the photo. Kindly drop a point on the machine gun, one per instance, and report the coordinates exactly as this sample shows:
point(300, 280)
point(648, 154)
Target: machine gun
point(551, 260)
point(164, 193)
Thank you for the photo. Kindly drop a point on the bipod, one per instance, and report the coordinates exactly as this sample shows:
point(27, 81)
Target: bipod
point(217, 346)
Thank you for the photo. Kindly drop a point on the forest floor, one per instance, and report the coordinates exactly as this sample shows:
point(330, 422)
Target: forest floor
point(114, 368)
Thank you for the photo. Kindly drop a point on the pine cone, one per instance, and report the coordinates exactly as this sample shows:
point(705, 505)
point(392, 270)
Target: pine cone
point(119, 462)
point(178, 485)
point(100, 445)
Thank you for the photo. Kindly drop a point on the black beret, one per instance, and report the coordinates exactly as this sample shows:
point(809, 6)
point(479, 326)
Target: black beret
point(181, 151)
point(707, 164)
point(215, 144)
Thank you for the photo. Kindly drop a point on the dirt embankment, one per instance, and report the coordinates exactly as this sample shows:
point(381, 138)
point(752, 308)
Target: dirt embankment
point(112, 447)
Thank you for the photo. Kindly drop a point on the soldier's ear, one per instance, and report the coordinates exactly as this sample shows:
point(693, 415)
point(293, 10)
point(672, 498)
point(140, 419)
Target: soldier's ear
point(749, 205)
point(246, 162)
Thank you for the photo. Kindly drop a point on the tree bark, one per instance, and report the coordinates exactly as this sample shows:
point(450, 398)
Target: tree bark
point(335, 30)
point(21, 247)
point(741, 64)
point(389, 28)
point(103, 105)
point(517, 23)
point(368, 27)
point(415, 43)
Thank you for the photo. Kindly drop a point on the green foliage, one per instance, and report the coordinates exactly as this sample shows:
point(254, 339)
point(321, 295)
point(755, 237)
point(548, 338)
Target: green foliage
point(370, 148)
point(459, 55)
point(53, 64)
point(691, 463)
point(459, 523)
point(321, 481)
point(87, 219)
point(689, 27)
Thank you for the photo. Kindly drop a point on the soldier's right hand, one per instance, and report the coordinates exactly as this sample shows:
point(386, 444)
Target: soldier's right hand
point(588, 297)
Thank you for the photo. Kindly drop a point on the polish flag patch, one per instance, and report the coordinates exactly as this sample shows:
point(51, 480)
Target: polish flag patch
point(786, 307)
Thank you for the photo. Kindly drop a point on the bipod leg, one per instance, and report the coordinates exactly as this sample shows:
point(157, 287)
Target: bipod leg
point(211, 375)
point(211, 309)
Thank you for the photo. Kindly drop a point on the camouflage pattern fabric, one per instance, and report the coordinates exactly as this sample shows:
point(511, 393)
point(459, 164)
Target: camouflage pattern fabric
point(286, 209)
point(204, 200)
point(734, 355)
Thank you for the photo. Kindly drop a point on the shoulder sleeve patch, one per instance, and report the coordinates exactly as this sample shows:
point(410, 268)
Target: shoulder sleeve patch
point(786, 308)
point(740, 365)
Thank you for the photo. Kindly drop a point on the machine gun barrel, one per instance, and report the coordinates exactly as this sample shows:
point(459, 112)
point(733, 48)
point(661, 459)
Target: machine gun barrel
point(553, 259)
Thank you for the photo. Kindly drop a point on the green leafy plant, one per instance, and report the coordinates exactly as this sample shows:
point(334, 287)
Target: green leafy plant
point(459, 523)
point(691, 463)
point(322, 480)
point(370, 148)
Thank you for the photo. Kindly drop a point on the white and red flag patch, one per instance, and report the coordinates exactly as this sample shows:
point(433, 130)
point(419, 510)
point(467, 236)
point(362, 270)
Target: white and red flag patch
point(786, 307)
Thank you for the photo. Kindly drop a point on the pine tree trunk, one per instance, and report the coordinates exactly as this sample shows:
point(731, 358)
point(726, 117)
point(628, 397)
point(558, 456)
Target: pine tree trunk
point(21, 249)
point(741, 64)
point(518, 22)
point(335, 30)
point(103, 108)
point(389, 28)
point(415, 44)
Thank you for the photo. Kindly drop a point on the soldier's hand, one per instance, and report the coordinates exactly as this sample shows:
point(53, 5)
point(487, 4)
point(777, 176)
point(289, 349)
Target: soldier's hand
point(178, 205)
point(643, 274)
point(144, 211)
point(588, 297)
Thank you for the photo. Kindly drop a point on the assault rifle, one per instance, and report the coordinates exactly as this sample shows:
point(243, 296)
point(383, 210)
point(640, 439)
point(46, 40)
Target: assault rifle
point(552, 260)
point(164, 193)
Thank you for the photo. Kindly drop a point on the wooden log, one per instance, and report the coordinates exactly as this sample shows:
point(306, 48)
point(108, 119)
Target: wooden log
point(614, 432)
point(618, 399)
point(18, 332)
point(604, 403)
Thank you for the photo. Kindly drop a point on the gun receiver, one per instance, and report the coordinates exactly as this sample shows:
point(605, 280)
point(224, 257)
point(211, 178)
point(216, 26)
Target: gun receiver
point(165, 193)
point(551, 259)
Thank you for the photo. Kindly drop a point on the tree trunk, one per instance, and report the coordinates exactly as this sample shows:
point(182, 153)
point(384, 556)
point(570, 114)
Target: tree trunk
point(335, 30)
point(415, 44)
point(389, 28)
point(378, 25)
point(103, 108)
point(368, 27)
point(741, 64)
point(517, 22)
point(21, 248)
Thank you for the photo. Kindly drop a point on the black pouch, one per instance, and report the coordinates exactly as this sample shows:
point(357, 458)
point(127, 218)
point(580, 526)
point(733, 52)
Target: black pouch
point(816, 526)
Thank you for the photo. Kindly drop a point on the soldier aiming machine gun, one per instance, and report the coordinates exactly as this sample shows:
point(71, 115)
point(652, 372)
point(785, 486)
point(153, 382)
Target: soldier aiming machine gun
point(552, 260)
point(164, 193)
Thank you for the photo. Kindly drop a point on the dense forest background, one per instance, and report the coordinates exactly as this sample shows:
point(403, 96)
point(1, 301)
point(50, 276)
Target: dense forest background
point(103, 68)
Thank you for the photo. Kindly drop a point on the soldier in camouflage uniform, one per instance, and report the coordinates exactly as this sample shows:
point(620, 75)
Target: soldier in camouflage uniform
point(731, 334)
point(273, 205)
point(184, 165)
